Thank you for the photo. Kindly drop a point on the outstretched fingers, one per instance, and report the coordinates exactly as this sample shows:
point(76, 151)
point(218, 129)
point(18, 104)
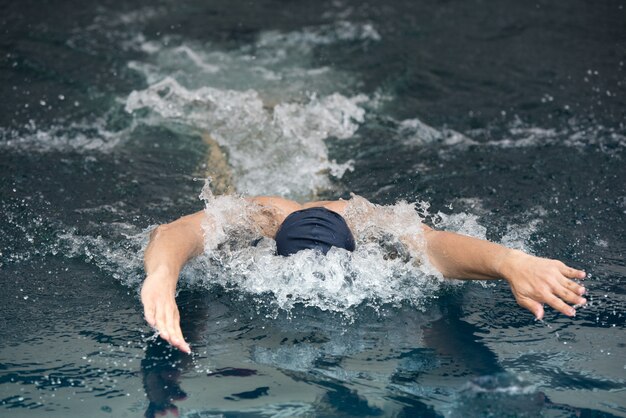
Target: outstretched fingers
point(573, 286)
point(161, 324)
point(149, 314)
point(572, 273)
point(161, 312)
point(168, 325)
point(568, 295)
point(540, 281)
point(558, 296)
point(533, 306)
point(175, 333)
point(564, 292)
point(560, 306)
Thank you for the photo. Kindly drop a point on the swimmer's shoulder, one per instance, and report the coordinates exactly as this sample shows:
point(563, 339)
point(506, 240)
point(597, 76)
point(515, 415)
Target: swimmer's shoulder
point(338, 206)
point(284, 207)
point(276, 203)
point(272, 211)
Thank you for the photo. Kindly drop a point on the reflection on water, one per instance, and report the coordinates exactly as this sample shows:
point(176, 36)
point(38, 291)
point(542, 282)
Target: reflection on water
point(114, 115)
point(351, 365)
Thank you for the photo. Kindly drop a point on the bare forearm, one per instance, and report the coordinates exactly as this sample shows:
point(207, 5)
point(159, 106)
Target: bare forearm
point(462, 257)
point(533, 280)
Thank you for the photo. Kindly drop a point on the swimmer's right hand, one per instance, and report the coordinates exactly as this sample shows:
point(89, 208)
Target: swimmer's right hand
point(161, 312)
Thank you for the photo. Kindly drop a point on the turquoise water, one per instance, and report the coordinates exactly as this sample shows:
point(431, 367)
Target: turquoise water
point(506, 118)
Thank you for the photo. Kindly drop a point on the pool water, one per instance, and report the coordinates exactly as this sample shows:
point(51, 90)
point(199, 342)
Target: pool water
point(502, 120)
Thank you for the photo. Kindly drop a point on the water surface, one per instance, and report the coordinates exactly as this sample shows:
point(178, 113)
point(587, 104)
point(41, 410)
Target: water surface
point(507, 118)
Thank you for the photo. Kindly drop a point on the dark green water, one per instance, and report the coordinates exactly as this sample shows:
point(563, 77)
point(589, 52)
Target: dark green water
point(507, 117)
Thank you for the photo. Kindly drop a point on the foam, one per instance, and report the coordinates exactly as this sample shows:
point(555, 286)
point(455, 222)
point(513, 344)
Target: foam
point(575, 135)
point(279, 151)
point(502, 383)
point(461, 223)
point(379, 273)
point(517, 134)
point(267, 104)
point(82, 136)
point(271, 108)
point(337, 282)
point(415, 132)
point(122, 258)
point(280, 66)
point(322, 35)
point(518, 236)
point(118, 253)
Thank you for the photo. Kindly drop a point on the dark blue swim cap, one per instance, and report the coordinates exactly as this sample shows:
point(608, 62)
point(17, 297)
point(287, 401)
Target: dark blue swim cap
point(314, 228)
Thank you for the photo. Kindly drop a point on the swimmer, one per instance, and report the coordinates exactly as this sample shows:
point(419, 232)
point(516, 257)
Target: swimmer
point(320, 225)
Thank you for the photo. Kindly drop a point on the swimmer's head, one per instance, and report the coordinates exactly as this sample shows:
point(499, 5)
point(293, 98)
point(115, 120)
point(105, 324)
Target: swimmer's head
point(313, 228)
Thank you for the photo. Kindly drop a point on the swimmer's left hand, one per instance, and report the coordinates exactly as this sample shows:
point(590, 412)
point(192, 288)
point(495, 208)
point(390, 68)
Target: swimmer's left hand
point(535, 281)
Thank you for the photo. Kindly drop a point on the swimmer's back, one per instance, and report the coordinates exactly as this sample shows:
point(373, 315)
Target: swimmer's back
point(276, 209)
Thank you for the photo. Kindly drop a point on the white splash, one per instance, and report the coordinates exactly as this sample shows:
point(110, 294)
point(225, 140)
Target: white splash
point(75, 136)
point(461, 223)
point(518, 134)
point(237, 257)
point(518, 236)
point(279, 151)
point(279, 66)
point(416, 132)
point(322, 35)
point(267, 104)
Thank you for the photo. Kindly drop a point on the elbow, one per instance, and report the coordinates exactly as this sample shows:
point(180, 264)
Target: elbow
point(159, 231)
point(429, 233)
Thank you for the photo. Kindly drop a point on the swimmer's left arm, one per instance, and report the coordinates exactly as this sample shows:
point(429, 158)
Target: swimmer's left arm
point(533, 280)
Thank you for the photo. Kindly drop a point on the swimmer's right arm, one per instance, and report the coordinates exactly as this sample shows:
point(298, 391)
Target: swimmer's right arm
point(170, 247)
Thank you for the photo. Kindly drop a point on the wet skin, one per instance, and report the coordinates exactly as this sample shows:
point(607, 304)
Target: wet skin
point(534, 281)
